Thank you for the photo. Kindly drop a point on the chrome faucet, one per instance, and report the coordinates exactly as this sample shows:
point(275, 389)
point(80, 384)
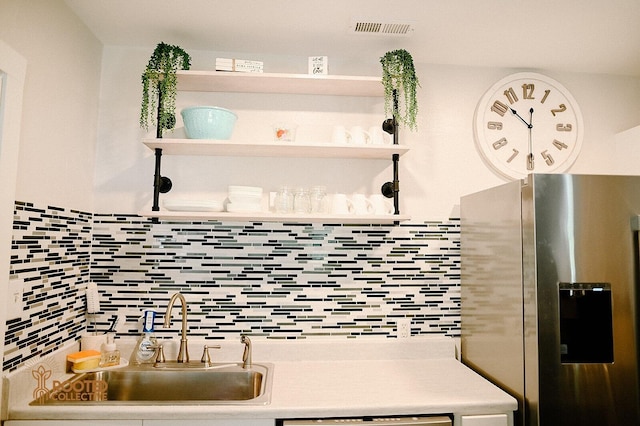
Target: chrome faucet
point(246, 355)
point(183, 354)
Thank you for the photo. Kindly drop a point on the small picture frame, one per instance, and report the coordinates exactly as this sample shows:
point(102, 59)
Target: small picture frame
point(318, 65)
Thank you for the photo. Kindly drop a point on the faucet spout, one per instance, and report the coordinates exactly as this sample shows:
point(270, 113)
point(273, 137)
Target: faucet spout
point(183, 354)
point(246, 355)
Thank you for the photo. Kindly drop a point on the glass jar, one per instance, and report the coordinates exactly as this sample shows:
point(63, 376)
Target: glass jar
point(318, 197)
point(284, 200)
point(301, 201)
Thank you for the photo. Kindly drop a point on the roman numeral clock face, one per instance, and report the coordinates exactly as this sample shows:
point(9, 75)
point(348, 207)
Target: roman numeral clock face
point(528, 123)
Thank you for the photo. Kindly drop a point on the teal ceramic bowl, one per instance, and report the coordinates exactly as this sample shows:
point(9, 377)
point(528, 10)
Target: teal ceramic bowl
point(207, 122)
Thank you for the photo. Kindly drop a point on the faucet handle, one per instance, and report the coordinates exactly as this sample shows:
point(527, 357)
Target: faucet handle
point(206, 358)
point(160, 359)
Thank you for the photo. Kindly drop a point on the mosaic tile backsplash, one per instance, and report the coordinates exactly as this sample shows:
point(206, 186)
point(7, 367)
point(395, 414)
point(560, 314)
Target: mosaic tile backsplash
point(50, 260)
point(279, 280)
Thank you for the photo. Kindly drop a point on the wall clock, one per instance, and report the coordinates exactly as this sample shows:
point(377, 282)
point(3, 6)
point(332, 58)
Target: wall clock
point(528, 123)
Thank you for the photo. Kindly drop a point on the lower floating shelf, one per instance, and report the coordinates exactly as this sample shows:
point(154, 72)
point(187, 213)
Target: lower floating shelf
point(273, 149)
point(275, 217)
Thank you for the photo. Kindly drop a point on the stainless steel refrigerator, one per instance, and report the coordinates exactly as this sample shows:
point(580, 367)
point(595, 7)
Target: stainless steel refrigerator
point(550, 296)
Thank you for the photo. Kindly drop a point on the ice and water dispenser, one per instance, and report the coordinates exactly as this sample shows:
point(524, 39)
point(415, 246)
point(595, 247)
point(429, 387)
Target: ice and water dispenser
point(586, 323)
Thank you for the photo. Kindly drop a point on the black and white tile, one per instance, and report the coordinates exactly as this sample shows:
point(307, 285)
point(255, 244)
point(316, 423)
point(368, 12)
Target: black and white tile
point(278, 280)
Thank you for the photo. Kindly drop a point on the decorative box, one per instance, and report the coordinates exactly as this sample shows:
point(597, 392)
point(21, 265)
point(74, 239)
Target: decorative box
point(238, 65)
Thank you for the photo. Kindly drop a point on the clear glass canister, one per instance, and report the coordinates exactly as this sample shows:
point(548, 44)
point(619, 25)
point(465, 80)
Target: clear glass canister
point(318, 198)
point(301, 201)
point(284, 200)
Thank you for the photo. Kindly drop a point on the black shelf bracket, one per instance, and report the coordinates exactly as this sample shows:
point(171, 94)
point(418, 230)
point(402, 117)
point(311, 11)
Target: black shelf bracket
point(161, 184)
point(392, 189)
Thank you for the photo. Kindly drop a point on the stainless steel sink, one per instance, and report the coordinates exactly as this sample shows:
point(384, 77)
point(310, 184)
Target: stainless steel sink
point(218, 384)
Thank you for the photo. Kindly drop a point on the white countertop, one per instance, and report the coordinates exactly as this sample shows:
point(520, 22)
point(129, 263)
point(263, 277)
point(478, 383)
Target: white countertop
point(319, 378)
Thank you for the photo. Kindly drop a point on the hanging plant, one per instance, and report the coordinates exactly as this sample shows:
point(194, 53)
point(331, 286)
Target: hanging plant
point(159, 85)
point(399, 75)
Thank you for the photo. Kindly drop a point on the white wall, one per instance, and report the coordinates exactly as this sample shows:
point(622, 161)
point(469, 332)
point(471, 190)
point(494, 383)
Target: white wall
point(58, 153)
point(12, 72)
point(443, 163)
point(60, 111)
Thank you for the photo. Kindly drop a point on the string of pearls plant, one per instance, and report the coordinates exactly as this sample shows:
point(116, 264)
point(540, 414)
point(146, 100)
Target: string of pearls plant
point(399, 74)
point(159, 86)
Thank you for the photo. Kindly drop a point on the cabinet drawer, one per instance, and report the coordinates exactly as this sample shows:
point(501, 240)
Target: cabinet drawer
point(485, 420)
point(73, 422)
point(227, 422)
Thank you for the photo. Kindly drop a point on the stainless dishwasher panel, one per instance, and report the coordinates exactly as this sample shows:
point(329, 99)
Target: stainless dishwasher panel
point(375, 421)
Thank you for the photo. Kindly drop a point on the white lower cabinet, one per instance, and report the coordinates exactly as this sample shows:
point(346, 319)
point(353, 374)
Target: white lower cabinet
point(73, 422)
point(485, 420)
point(223, 422)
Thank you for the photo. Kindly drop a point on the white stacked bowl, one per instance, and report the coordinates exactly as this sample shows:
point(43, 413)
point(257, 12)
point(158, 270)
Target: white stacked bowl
point(244, 198)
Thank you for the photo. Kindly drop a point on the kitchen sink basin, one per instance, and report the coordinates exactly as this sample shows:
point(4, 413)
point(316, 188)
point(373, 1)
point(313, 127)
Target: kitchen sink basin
point(218, 384)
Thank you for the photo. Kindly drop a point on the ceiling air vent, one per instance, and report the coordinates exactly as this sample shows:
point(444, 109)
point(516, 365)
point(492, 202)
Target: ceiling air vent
point(363, 26)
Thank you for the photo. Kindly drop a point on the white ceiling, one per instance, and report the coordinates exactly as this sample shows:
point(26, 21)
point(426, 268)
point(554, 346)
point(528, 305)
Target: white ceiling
point(593, 36)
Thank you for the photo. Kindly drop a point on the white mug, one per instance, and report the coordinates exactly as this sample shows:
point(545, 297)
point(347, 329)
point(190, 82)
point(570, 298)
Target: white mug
point(381, 205)
point(340, 135)
point(359, 136)
point(341, 204)
point(92, 341)
point(360, 204)
point(377, 136)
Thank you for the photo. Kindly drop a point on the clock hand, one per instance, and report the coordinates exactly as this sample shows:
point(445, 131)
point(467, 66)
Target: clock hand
point(530, 160)
point(514, 112)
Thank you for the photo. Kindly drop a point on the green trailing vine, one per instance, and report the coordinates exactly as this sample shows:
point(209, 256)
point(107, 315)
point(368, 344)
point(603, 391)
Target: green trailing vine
point(159, 85)
point(398, 73)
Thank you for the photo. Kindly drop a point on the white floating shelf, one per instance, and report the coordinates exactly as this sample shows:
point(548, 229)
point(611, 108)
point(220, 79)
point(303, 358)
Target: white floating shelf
point(274, 217)
point(272, 149)
point(304, 84)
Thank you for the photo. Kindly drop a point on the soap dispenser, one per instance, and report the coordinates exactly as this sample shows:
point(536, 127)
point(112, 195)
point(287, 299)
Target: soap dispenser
point(146, 345)
point(110, 355)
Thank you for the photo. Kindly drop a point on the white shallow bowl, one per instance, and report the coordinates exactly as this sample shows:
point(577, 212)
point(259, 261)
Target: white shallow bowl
point(185, 205)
